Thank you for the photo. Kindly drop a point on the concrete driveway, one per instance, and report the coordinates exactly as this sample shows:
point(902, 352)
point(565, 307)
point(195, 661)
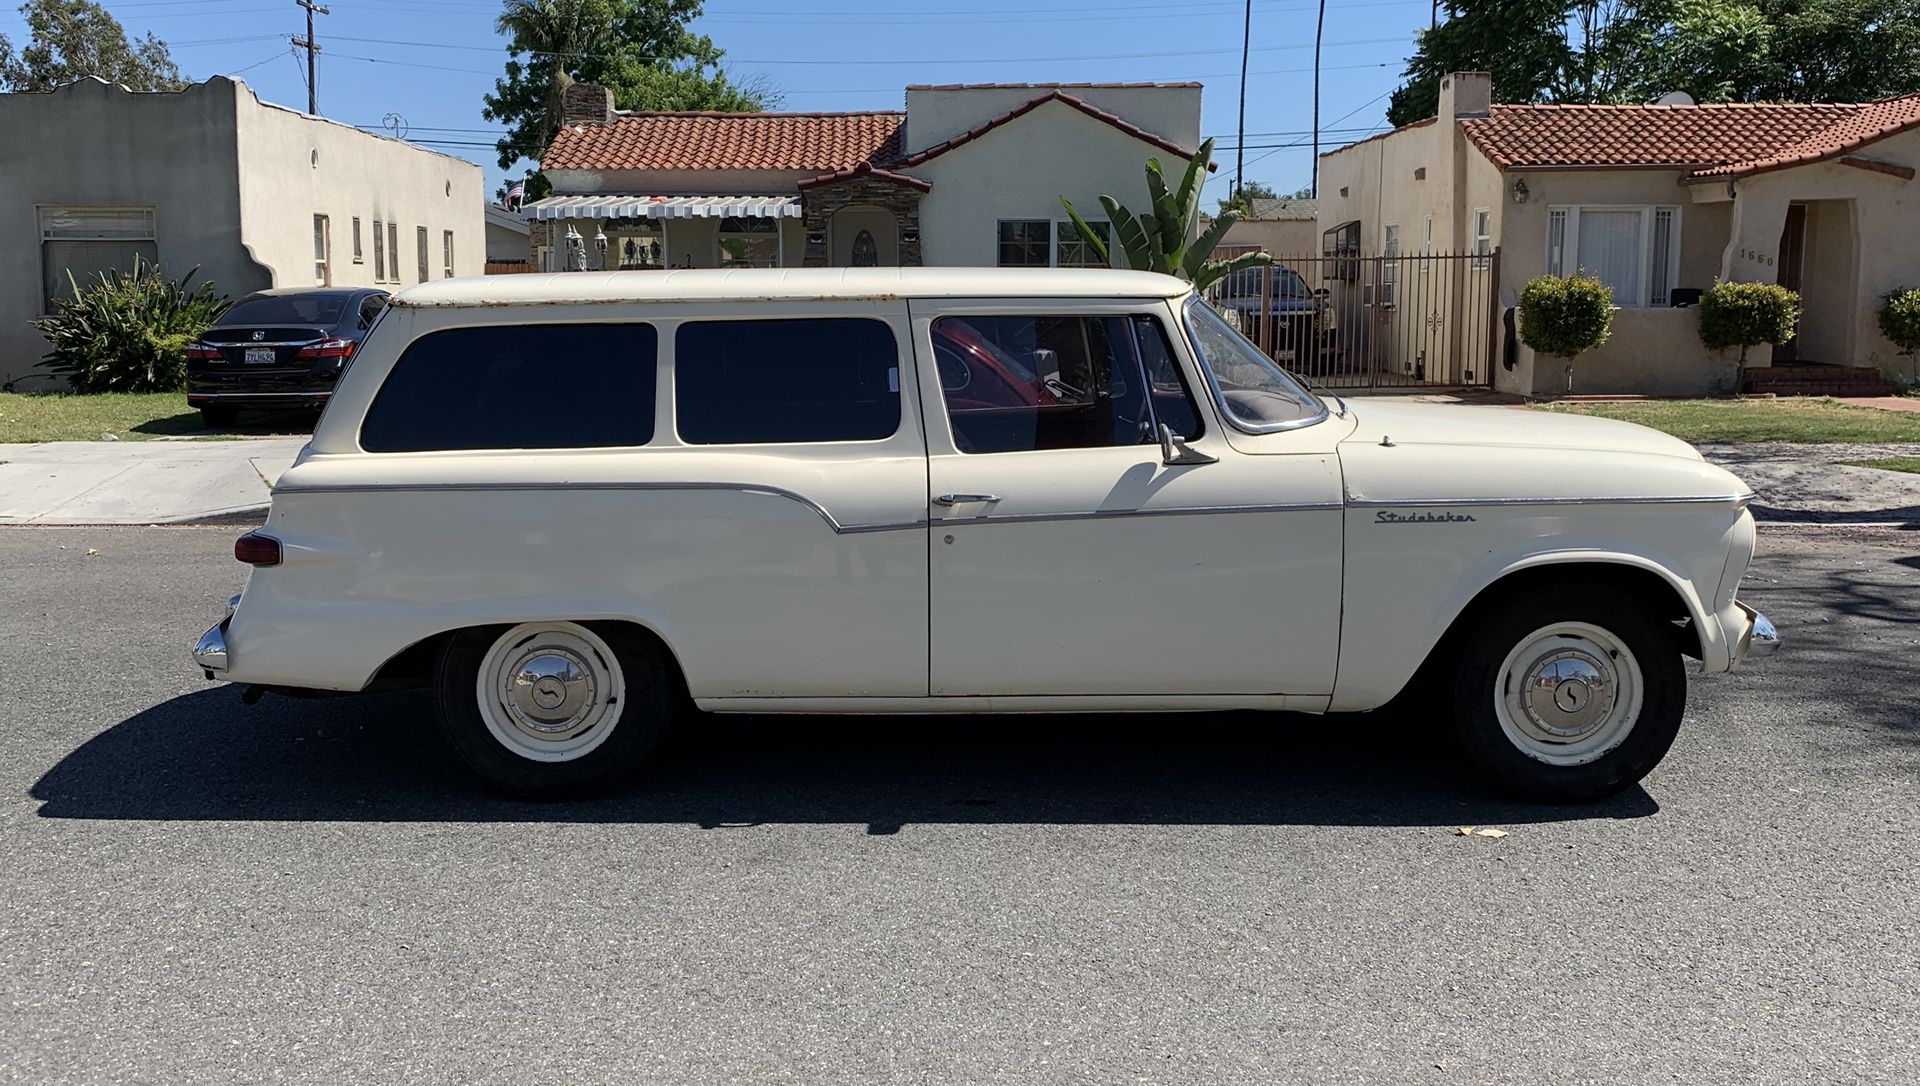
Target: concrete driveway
point(139, 482)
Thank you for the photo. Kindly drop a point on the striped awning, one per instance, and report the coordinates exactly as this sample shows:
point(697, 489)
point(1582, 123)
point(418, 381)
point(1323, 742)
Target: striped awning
point(664, 207)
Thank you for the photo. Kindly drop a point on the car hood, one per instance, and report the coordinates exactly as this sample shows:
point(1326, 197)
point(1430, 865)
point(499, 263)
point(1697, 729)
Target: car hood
point(1434, 453)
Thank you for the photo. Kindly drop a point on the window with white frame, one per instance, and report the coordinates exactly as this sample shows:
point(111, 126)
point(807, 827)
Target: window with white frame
point(357, 257)
point(1634, 250)
point(1482, 237)
point(78, 243)
point(1389, 264)
point(322, 251)
point(393, 250)
point(379, 251)
point(1072, 251)
point(446, 254)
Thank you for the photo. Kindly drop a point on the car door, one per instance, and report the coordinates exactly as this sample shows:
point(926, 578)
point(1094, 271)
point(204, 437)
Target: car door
point(1067, 558)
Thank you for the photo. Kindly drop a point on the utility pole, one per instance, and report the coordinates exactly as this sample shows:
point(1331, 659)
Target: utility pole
point(313, 52)
point(1319, 27)
point(1240, 149)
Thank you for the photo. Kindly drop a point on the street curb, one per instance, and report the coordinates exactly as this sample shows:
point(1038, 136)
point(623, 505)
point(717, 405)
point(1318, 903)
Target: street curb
point(246, 514)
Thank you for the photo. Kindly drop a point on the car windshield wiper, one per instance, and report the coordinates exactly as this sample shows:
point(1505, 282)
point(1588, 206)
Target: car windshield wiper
point(1315, 386)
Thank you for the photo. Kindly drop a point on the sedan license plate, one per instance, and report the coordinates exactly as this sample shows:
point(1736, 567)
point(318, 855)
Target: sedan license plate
point(260, 355)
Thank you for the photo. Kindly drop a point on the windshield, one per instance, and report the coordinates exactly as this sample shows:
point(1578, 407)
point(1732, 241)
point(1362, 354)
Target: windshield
point(320, 309)
point(1245, 283)
point(1257, 395)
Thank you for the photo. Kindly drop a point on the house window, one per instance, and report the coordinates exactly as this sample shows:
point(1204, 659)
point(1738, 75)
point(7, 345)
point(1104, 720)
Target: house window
point(357, 258)
point(379, 253)
point(1482, 237)
point(1389, 265)
point(1025, 243)
point(1072, 251)
point(446, 254)
point(78, 243)
point(1343, 241)
point(750, 243)
point(420, 247)
point(322, 250)
point(1634, 250)
point(631, 245)
point(865, 252)
point(393, 250)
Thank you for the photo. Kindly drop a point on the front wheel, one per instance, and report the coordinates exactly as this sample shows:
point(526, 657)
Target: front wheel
point(552, 710)
point(1570, 695)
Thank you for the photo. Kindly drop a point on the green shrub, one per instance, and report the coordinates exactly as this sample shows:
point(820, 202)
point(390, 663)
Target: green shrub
point(1564, 315)
point(1746, 314)
point(127, 331)
point(1900, 319)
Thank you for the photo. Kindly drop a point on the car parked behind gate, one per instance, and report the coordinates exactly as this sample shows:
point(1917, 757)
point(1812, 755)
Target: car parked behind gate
point(277, 349)
point(565, 501)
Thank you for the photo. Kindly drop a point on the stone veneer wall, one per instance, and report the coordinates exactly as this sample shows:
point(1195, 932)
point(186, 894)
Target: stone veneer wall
point(822, 201)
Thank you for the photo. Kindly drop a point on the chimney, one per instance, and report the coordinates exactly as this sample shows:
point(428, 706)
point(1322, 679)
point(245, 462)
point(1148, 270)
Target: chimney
point(1465, 94)
point(586, 103)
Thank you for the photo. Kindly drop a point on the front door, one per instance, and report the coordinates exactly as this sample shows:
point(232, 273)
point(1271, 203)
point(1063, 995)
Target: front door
point(1068, 559)
point(1793, 259)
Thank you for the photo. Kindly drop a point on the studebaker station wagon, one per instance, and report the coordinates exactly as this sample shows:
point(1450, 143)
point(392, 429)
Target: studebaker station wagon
point(570, 502)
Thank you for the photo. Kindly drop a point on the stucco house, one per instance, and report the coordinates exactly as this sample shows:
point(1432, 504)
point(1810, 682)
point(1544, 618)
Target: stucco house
point(1659, 201)
point(252, 194)
point(965, 175)
point(1283, 227)
point(506, 240)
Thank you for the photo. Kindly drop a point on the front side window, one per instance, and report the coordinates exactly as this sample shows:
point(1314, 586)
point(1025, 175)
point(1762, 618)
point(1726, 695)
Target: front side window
point(786, 381)
point(77, 244)
point(518, 386)
point(1024, 243)
point(1256, 394)
point(1026, 383)
point(1633, 250)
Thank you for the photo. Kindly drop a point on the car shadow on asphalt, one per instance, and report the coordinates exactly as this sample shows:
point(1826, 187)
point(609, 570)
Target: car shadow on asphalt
point(378, 758)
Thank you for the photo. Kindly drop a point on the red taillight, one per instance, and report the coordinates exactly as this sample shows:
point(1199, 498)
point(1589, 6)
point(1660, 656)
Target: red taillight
point(327, 348)
point(257, 550)
point(203, 352)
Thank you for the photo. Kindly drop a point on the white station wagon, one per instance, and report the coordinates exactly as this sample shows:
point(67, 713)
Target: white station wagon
point(569, 502)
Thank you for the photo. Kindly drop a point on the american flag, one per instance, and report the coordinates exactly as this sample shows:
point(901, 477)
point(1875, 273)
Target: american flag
point(516, 192)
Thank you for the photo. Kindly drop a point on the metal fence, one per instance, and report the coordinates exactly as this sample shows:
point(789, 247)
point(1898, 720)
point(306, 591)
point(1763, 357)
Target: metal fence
point(1356, 322)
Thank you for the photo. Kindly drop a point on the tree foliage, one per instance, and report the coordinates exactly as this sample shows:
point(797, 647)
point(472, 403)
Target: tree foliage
point(640, 49)
point(1600, 51)
point(73, 39)
point(1745, 315)
point(1242, 201)
point(1164, 240)
point(127, 331)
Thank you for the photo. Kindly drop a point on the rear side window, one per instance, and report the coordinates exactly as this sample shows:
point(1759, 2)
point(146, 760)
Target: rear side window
point(786, 381)
point(518, 386)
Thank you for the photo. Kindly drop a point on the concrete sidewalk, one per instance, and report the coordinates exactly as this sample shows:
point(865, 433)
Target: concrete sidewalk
point(139, 482)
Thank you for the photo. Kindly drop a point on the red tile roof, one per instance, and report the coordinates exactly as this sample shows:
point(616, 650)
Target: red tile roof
point(1713, 141)
point(823, 142)
point(866, 169)
point(1034, 103)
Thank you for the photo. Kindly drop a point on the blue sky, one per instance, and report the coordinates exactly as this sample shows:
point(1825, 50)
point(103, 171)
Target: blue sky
point(429, 61)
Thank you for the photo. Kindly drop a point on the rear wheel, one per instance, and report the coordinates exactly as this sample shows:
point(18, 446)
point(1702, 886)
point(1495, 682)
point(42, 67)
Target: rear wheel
point(552, 710)
point(217, 416)
point(1569, 695)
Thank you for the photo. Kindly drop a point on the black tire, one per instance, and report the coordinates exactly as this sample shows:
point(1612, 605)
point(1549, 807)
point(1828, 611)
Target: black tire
point(645, 714)
point(1476, 693)
point(219, 416)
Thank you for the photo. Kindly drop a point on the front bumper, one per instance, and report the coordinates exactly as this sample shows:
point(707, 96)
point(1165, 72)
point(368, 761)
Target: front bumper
point(1761, 639)
point(210, 653)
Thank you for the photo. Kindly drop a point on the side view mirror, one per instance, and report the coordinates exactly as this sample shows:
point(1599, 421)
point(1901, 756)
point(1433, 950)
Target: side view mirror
point(1175, 450)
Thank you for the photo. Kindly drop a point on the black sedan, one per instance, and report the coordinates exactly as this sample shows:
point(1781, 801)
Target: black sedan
point(278, 349)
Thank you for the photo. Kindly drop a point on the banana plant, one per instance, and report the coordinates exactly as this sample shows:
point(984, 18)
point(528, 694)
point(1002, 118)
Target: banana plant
point(1164, 241)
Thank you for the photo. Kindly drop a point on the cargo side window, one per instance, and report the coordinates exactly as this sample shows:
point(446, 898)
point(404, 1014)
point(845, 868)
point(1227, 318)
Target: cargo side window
point(786, 381)
point(1025, 383)
point(518, 386)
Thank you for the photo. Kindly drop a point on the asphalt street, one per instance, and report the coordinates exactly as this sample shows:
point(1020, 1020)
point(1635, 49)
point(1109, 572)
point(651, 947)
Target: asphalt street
point(192, 890)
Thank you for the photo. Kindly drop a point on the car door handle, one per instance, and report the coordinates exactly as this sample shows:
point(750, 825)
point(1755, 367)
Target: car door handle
point(965, 499)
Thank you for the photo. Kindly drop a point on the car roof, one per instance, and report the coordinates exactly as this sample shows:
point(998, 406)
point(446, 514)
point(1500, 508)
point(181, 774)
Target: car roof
point(789, 284)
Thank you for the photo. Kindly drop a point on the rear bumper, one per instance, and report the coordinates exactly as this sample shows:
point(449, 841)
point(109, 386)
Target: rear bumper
point(242, 399)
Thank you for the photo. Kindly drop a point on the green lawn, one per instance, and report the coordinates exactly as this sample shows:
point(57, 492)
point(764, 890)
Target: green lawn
point(129, 416)
point(1909, 464)
point(1805, 421)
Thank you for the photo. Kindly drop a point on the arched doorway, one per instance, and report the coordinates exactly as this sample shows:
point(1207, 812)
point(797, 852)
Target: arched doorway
point(873, 230)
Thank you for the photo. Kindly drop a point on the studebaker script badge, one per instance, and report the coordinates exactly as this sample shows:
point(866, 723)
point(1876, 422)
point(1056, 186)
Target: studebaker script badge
point(1448, 517)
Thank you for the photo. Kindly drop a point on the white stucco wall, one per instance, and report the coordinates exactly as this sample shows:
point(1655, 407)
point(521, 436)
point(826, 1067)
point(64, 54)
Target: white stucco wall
point(294, 167)
point(936, 114)
point(1005, 174)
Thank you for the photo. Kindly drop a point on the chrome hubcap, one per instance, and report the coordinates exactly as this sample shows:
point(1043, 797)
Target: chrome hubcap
point(550, 691)
point(1568, 693)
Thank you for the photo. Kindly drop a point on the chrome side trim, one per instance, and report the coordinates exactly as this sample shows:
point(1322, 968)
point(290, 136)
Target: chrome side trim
point(273, 343)
point(1128, 514)
point(1738, 500)
point(738, 488)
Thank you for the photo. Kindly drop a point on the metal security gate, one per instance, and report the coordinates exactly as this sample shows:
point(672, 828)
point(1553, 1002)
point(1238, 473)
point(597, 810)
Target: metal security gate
point(1372, 322)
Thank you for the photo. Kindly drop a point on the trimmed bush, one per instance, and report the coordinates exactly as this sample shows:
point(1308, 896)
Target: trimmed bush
point(1565, 315)
point(127, 331)
point(1900, 319)
point(1745, 315)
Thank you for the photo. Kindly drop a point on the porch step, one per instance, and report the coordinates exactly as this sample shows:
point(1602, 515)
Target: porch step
point(1814, 380)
